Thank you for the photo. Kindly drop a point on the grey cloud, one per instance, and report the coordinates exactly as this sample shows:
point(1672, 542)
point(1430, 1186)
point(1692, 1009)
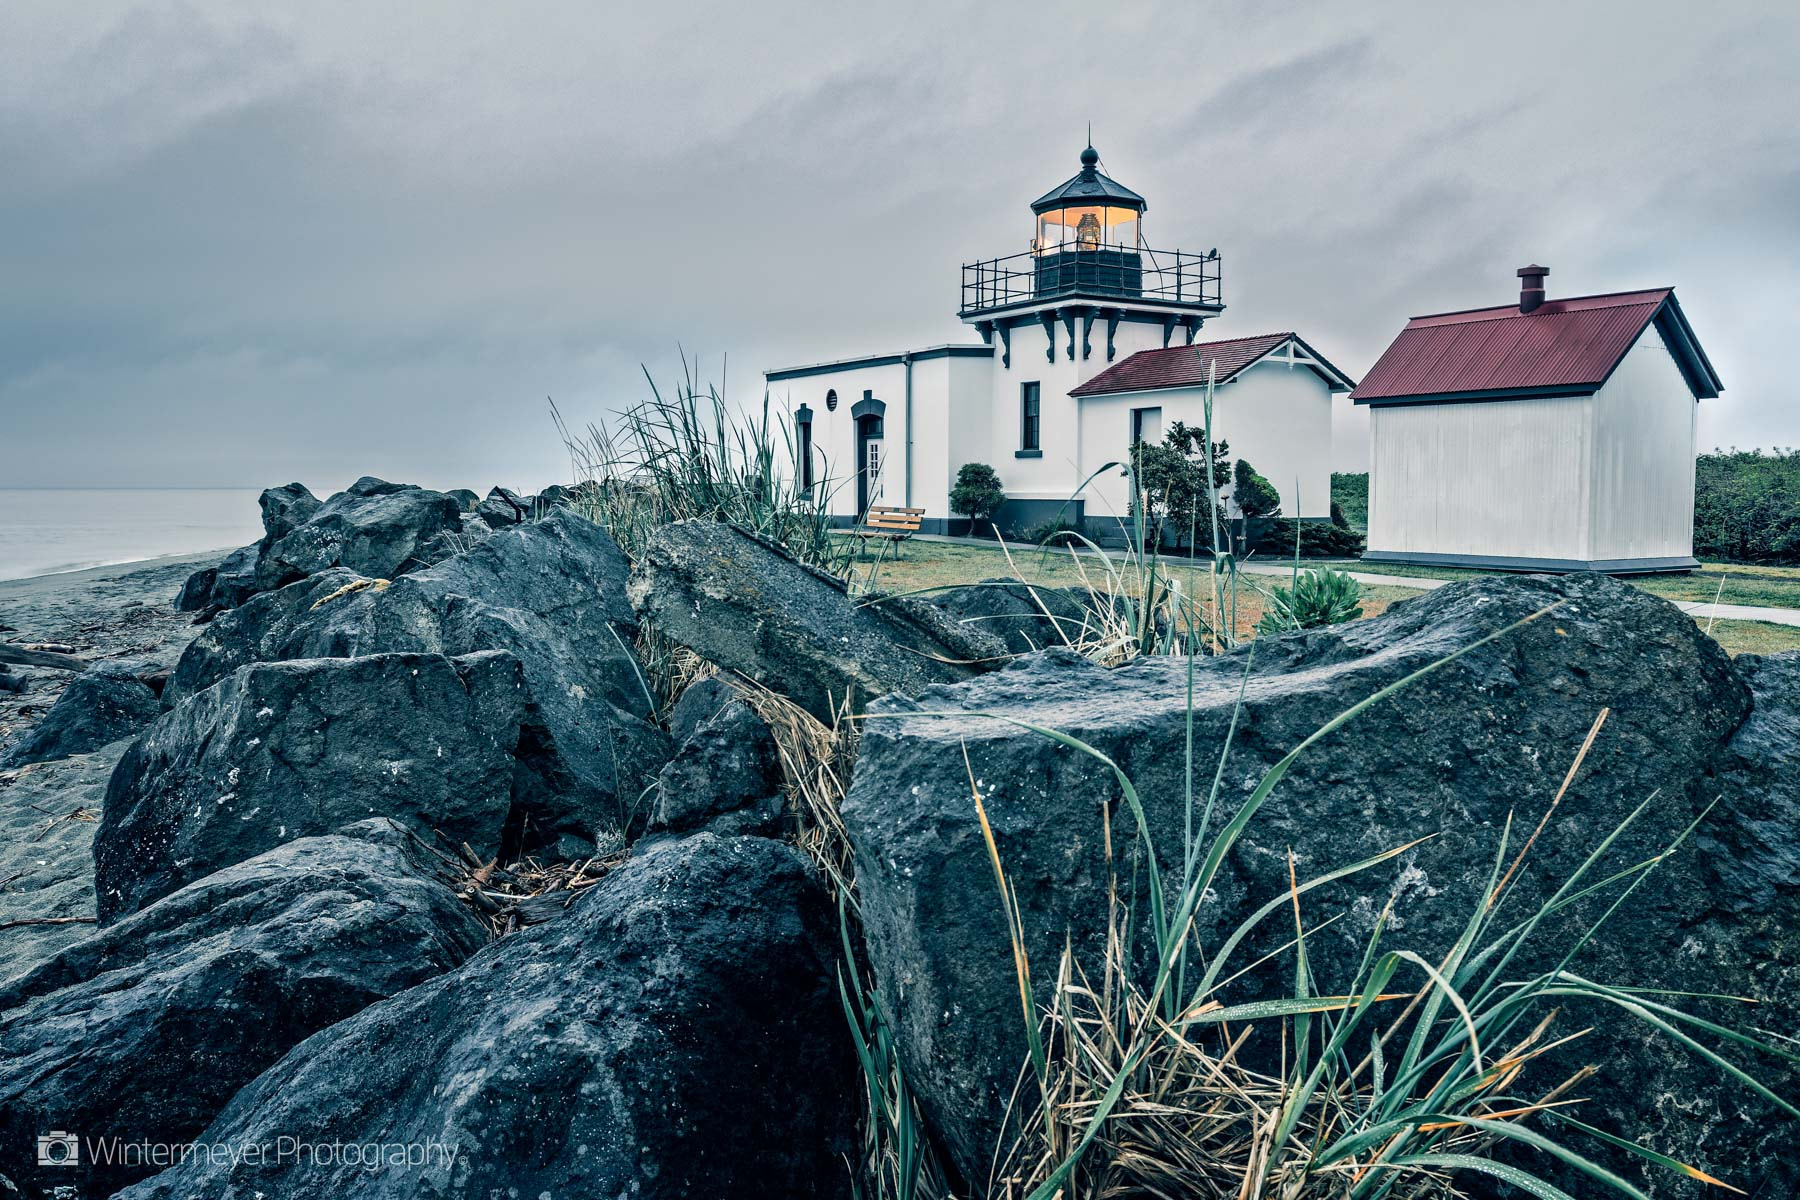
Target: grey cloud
point(240, 246)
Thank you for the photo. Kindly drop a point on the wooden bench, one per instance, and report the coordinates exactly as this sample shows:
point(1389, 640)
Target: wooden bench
point(893, 524)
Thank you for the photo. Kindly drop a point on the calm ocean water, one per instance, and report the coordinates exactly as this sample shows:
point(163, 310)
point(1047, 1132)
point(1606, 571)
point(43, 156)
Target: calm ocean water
point(45, 531)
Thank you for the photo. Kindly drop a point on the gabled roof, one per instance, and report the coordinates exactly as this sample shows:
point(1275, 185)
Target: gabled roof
point(1186, 366)
point(1090, 186)
point(1562, 348)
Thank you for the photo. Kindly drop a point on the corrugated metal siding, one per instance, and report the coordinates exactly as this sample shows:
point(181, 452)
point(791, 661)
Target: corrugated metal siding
point(1482, 479)
point(1644, 441)
point(1565, 343)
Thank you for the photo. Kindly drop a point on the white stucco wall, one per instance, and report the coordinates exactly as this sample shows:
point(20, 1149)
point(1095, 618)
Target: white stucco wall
point(949, 393)
point(1058, 473)
point(1276, 416)
point(834, 433)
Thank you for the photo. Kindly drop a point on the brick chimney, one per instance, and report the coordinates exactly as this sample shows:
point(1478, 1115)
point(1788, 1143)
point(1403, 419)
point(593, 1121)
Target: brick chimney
point(1531, 287)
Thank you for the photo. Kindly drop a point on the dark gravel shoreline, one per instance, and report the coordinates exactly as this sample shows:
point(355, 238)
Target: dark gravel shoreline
point(121, 613)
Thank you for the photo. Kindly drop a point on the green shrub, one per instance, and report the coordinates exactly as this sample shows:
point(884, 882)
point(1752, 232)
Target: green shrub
point(1045, 532)
point(1318, 598)
point(1747, 506)
point(1318, 539)
point(977, 494)
point(1350, 491)
point(1253, 495)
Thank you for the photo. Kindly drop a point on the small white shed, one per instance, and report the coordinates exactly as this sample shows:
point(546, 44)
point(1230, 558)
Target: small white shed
point(1544, 436)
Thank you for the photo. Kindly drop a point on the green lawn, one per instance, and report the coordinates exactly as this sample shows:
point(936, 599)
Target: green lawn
point(1772, 587)
point(926, 565)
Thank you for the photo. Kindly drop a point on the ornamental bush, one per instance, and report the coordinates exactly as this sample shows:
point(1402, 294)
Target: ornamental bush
point(977, 494)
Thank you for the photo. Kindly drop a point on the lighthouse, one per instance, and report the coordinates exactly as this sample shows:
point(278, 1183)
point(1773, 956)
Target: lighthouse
point(1088, 341)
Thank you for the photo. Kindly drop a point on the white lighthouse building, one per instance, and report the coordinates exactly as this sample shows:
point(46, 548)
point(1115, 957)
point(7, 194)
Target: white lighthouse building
point(1089, 340)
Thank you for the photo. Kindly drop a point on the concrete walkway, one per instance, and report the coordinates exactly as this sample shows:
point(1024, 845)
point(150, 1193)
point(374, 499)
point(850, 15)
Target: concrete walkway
point(1702, 609)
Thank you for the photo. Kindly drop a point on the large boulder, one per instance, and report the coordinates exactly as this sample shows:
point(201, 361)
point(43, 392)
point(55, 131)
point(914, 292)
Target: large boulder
point(1025, 616)
point(1488, 734)
point(676, 1033)
point(551, 592)
point(48, 813)
point(98, 707)
point(375, 528)
point(142, 1032)
point(279, 751)
point(746, 604)
point(287, 622)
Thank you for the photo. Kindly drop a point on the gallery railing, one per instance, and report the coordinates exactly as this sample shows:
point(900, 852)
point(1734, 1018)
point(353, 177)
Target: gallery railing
point(1100, 272)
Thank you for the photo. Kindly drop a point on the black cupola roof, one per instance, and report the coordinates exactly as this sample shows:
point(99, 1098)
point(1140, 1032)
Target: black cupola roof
point(1089, 187)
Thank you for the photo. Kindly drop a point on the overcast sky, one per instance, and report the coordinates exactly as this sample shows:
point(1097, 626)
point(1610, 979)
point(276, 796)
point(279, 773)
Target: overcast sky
point(241, 244)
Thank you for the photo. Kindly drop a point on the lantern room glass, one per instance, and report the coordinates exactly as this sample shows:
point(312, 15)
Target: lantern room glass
point(1088, 227)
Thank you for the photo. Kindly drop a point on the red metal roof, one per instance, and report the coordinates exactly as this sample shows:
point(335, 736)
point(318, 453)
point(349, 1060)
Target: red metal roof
point(1564, 346)
point(1186, 366)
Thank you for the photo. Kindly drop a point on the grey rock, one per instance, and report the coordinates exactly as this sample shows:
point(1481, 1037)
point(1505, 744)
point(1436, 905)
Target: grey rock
point(699, 703)
point(744, 603)
point(143, 1031)
point(234, 580)
point(225, 586)
point(48, 813)
point(552, 592)
point(1760, 789)
point(676, 1033)
point(1450, 756)
point(301, 620)
point(280, 751)
point(728, 763)
point(99, 707)
point(285, 509)
point(501, 508)
point(1024, 616)
point(465, 498)
point(374, 527)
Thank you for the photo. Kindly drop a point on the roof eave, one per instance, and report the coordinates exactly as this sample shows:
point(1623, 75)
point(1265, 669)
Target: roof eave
point(1530, 393)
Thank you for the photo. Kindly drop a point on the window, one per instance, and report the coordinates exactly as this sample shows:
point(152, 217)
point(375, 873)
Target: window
point(831, 400)
point(1028, 417)
point(806, 454)
point(1146, 425)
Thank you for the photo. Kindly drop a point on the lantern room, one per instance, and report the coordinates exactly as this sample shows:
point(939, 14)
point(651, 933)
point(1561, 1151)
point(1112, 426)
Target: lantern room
point(1088, 212)
point(1089, 231)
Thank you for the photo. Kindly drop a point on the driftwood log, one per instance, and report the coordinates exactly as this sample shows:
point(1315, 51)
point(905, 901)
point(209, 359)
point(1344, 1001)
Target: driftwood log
point(41, 658)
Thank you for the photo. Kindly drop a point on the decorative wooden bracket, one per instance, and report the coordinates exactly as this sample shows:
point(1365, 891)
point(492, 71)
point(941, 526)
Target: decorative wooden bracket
point(1048, 317)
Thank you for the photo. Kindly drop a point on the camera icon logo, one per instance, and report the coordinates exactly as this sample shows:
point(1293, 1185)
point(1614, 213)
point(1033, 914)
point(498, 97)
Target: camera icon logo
point(59, 1148)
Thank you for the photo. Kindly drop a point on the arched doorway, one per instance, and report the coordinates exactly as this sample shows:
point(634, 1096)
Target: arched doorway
point(871, 445)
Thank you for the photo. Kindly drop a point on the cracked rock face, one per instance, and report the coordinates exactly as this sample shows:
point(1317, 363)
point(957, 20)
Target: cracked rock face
point(279, 751)
point(1449, 758)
